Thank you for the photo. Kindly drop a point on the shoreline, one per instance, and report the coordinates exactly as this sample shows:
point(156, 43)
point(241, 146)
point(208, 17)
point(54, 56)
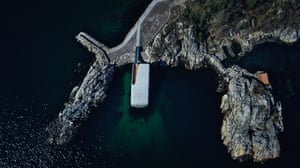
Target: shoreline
point(238, 85)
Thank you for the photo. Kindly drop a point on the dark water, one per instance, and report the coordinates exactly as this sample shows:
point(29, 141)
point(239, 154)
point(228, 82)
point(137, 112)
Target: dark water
point(173, 131)
point(282, 63)
point(181, 128)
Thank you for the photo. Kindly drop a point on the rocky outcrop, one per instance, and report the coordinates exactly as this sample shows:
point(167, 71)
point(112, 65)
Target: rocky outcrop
point(82, 99)
point(126, 58)
point(252, 118)
point(207, 33)
point(224, 31)
point(247, 42)
point(177, 46)
point(180, 45)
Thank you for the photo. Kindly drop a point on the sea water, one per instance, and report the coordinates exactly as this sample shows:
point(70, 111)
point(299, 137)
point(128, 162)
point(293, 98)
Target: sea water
point(41, 62)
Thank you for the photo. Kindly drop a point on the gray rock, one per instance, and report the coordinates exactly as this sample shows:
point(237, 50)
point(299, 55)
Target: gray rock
point(172, 49)
point(82, 100)
point(289, 35)
point(124, 59)
point(252, 119)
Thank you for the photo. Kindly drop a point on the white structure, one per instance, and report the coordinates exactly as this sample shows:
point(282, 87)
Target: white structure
point(140, 85)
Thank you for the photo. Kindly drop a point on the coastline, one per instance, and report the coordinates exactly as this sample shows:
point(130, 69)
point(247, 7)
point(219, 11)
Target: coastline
point(201, 55)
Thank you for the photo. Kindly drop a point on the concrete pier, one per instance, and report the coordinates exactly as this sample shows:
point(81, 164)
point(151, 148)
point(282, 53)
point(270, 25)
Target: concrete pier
point(93, 46)
point(130, 50)
point(150, 23)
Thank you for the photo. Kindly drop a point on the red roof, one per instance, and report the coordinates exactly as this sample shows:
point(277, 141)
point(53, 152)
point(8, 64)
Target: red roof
point(263, 77)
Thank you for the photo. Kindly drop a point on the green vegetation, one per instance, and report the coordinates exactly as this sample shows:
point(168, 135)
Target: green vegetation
point(250, 3)
point(199, 14)
point(259, 89)
point(215, 17)
point(295, 21)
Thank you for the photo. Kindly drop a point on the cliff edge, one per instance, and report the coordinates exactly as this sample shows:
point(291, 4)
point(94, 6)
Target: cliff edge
point(202, 34)
point(209, 32)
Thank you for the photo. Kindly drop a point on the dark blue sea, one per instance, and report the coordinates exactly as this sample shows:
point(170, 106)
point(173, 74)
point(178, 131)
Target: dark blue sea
point(41, 62)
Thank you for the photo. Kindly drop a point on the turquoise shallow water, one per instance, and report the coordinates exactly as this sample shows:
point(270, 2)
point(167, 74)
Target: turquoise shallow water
point(172, 130)
point(181, 128)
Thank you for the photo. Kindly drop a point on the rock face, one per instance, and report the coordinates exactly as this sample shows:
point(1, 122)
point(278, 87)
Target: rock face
point(231, 30)
point(286, 35)
point(82, 100)
point(207, 33)
point(252, 119)
point(177, 46)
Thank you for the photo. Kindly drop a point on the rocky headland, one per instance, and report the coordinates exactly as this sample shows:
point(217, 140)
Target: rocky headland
point(202, 34)
point(209, 32)
point(83, 99)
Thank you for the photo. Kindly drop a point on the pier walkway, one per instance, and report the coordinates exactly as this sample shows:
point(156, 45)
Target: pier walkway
point(135, 28)
point(148, 25)
point(94, 46)
point(151, 22)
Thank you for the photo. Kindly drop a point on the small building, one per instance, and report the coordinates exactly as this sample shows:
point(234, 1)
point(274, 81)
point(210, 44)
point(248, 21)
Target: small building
point(263, 77)
point(140, 80)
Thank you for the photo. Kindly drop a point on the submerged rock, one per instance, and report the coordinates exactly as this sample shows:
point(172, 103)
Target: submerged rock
point(82, 100)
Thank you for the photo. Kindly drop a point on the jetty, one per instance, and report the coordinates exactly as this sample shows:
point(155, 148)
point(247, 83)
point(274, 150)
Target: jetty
point(150, 22)
point(130, 49)
point(93, 46)
point(140, 78)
